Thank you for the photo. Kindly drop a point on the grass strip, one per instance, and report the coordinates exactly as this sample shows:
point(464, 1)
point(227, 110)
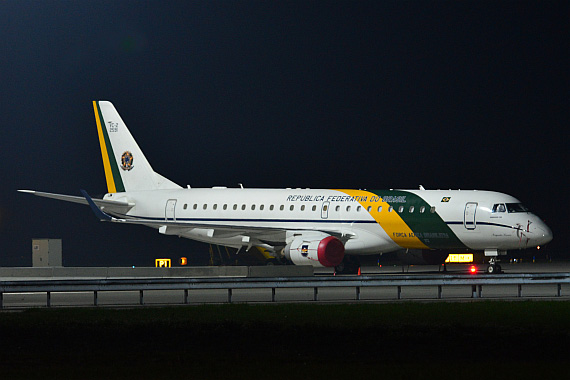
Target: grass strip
point(312, 340)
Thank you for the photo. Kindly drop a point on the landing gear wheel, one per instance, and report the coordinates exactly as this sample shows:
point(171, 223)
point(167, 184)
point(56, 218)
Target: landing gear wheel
point(494, 269)
point(349, 265)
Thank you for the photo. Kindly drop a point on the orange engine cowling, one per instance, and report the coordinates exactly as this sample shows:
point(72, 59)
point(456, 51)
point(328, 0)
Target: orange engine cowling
point(318, 251)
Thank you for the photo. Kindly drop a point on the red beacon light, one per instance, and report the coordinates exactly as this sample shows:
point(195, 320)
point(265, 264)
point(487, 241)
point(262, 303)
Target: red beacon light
point(473, 269)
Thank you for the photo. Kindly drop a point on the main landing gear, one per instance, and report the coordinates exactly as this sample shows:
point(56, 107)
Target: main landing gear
point(349, 265)
point(493, 267)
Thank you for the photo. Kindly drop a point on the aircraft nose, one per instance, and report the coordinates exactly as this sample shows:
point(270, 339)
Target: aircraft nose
point(543, 233)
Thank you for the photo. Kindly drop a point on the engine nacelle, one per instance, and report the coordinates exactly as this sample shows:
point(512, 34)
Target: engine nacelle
point(315, 250)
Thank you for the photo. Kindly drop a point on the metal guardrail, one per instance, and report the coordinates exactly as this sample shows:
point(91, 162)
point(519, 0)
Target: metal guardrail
point(188, 284)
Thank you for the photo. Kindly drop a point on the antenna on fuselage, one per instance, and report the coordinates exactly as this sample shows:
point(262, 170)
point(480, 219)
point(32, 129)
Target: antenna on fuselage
point(421, 187)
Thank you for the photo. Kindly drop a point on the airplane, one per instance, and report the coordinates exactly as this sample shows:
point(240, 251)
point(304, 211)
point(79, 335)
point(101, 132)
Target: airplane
point(318, 227)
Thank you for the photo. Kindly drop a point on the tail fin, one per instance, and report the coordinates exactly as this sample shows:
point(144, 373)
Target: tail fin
point(126, 167)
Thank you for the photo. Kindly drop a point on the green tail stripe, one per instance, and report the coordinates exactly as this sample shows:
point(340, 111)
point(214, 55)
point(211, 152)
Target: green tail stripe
point(113, 162)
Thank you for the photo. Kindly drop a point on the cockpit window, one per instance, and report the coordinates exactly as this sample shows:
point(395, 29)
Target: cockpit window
point(516, 207)
point(499, 207)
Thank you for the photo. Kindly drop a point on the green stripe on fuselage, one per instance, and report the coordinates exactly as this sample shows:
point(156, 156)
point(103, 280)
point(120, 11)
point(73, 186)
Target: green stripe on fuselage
point(427, 226)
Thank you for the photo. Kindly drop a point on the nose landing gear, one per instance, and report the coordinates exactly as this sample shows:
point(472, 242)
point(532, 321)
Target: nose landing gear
point(493, 267)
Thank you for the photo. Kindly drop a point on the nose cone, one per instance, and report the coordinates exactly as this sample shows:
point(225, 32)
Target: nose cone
point(543, 234)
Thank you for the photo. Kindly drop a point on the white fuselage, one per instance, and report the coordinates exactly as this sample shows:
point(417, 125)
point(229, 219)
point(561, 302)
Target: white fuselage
point(271, 217)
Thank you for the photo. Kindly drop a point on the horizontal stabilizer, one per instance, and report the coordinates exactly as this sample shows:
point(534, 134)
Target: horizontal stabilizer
point(111, 206)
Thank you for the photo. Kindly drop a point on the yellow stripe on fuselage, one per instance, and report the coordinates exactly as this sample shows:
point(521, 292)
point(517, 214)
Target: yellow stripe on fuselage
point(106, 163)
point(390, 221)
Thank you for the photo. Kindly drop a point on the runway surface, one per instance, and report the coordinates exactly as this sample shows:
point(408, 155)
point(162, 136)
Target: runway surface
point(342, 295)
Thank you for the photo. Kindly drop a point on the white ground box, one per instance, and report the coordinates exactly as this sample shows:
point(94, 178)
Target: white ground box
point(46, 253)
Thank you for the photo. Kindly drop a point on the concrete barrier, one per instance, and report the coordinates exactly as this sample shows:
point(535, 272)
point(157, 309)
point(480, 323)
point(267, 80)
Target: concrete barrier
point(280, 271)
point(26, 272)
point(137, 272)
point(189, 272)
point(79, 272)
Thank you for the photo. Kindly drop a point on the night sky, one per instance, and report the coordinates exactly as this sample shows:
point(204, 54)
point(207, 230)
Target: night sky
point(325, 94)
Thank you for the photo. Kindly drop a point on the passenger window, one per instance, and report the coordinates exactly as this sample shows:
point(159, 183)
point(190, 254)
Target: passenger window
point(422, 209)
point(261, 207)
point(325, 208)
point(195, 206)
point(235, 207)
point(432, 209)
point(253, 207)
point(271, 208)
point(359, 208)
point(347, 208)
point(412, 209)
point(337, 208)
point(281, 207)
point(292, 208)
point(303, 208)
point(185, 206)
point(215, 206)
point(225, 207)
point(401, 209)
point(243, 207)
point(369, 208)
point(379, 208)
point(205, 206)
point(390, 209)
point(314, 208)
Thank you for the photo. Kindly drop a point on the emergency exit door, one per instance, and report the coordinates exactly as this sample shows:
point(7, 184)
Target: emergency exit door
point(325, 210)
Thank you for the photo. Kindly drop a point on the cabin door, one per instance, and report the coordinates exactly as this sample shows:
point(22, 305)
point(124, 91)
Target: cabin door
point(169, 210)
point(469, 218)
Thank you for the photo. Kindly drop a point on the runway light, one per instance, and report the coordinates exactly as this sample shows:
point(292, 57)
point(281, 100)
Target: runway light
point(538, 247)
point(473, 269)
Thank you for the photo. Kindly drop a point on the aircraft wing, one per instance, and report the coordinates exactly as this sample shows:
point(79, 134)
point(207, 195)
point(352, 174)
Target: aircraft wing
point(111, 206)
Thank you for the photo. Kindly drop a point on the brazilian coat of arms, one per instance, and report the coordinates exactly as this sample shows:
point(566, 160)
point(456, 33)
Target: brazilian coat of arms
point(127, 161)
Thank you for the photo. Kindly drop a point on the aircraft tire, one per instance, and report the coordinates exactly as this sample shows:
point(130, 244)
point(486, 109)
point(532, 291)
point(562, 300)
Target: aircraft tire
point(349, 265)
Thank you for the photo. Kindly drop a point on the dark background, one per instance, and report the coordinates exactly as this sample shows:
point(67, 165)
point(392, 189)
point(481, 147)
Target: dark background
point(469, 95)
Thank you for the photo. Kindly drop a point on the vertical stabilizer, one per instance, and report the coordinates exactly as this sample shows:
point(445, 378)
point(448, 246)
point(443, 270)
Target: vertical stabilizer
point(126, 167)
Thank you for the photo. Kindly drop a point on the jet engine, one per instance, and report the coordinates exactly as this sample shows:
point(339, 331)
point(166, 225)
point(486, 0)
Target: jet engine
point(316, 250)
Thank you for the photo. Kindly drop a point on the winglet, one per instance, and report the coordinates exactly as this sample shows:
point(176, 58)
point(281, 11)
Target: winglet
point(98, 212)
